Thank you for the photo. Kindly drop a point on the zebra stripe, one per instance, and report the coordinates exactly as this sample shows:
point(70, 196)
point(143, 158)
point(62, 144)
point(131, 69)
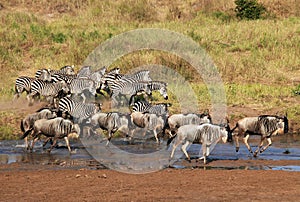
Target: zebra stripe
point(67, 70)
point(78, 85)
point(142, 75)
point(23, 83)
point(77, 109)
point(159, 86)
point(42, 88)
point(128, 87)
point(144, 106)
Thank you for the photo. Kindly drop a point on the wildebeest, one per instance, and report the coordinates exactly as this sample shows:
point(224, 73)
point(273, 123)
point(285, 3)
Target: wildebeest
point(148, 121)
point(29, 120)
point(177, 120)
point(264, 125)
point(56, 128)
point(111, 122)
point(207, 134)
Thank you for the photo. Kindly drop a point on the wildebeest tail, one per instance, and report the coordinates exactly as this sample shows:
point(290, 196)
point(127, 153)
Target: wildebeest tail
point(171, 139)
point(22, 126)
point(26, 133)
point(231, 131)
point(286, 124)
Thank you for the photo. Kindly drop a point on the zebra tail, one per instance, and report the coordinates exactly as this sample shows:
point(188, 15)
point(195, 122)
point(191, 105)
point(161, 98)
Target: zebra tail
point(26, 133)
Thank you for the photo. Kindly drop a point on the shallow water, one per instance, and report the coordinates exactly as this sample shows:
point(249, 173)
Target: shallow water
point(145, 155)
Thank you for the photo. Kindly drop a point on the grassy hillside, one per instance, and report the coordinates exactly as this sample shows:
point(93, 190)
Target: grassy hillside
point(259, 60)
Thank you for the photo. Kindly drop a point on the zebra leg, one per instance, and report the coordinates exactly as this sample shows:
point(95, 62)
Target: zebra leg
point(183, 148)
point(245, 139)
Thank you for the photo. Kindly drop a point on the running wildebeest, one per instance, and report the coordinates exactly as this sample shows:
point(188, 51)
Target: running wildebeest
point(264, 125)
point(111, 122)
point(56, 128)
point(176, 120)
point(148, 121)
point(29, 120)
point(206, 134)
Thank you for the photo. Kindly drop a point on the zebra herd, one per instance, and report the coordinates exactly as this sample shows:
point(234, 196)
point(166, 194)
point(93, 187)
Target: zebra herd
point(70, 108)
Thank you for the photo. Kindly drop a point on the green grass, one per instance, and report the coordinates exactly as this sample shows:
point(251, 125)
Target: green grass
point(258, 60)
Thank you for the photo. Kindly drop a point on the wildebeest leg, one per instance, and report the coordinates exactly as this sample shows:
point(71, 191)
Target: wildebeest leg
point(53, 144)
point(205, 153)
point(68, 143)
point(245, 139)
point(183, 148)
point(46, 141)
point(26, 143)
point(237, 145)
point(259, 146)
point(109, 137)
point(269, 144)
point(175, 145)
point(33, 142)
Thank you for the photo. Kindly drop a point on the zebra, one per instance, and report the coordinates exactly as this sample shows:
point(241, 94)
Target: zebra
point(56, 77)
point(23, 83)
point(46, 89)
point(144, 106)
point(159, 86)
point(130, 88)
point(142, 75)
point(77, 109)
point(68, 70)
point(44, 74)
point(108, 79)
point(79, 85)
point(84, 72)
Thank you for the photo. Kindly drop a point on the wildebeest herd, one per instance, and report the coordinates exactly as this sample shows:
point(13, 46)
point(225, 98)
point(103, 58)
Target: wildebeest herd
point(72, 106)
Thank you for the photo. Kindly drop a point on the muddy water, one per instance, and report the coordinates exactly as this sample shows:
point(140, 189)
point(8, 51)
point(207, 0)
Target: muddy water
point(146, 155)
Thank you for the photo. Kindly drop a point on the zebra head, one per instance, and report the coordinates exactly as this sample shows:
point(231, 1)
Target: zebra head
point(45, 75)
point(68, 70)
point(63, 86)
point(163, 92)
point(160, 86)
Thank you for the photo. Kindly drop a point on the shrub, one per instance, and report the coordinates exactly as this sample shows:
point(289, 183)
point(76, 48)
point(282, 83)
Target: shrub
point(249, 9)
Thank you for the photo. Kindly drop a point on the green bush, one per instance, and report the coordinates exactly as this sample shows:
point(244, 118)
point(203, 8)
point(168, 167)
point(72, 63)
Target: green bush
point(249, 9)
